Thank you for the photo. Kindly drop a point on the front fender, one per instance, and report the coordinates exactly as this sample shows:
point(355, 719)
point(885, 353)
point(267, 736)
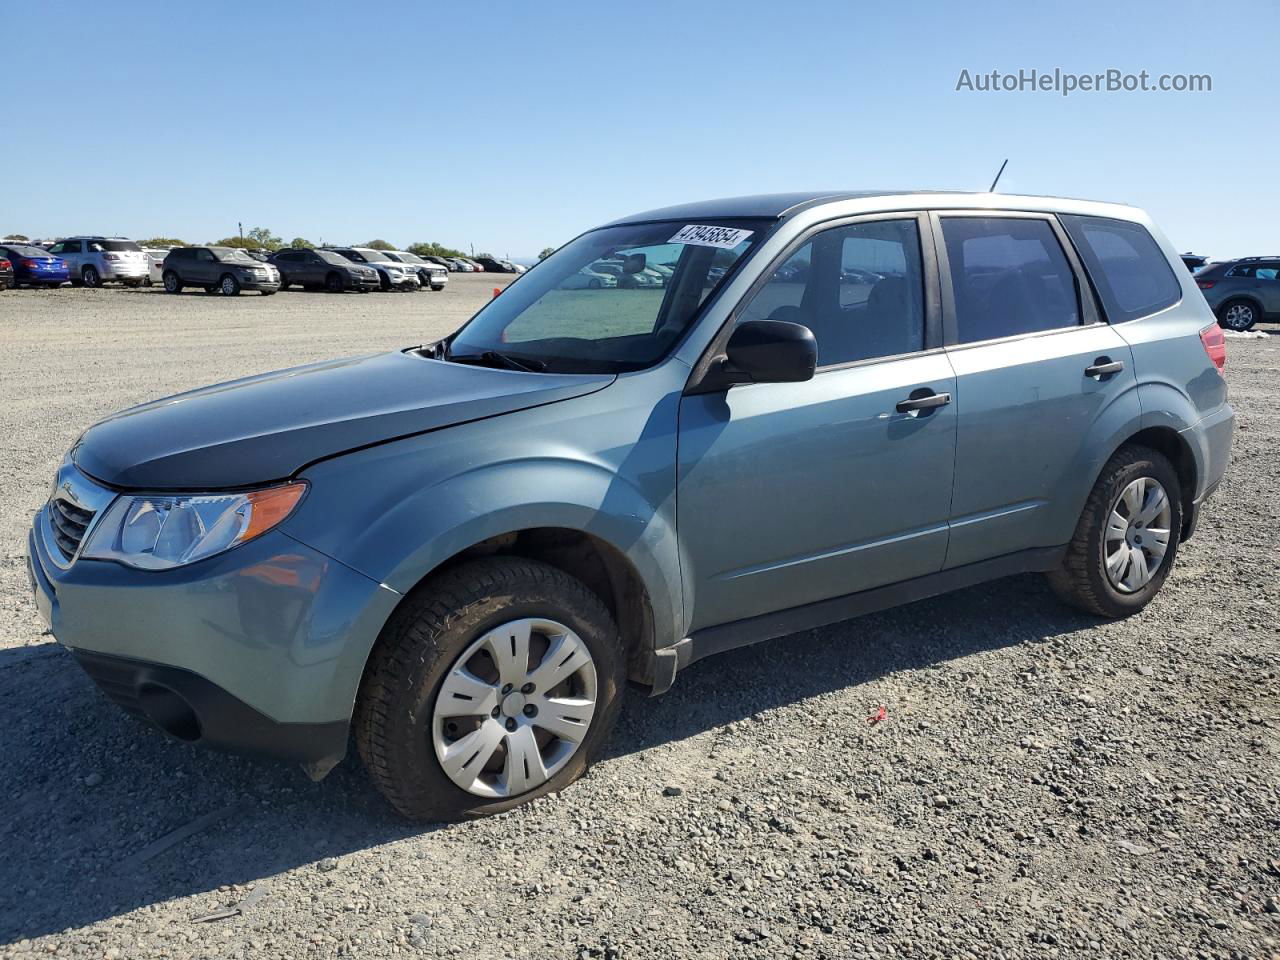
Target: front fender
point(422, 532)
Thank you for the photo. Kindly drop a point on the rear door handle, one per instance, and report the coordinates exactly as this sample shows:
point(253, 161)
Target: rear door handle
point(922, 399)
point(1103, 367)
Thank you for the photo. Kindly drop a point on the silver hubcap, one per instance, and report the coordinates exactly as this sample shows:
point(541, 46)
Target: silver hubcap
point(1137, 535)
point(514, 708)
point(1239, 315)
point(228, 285)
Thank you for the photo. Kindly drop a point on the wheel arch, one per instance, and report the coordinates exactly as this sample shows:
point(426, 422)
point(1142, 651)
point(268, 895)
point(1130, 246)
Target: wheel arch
point(602, 567)
point(1175, 448)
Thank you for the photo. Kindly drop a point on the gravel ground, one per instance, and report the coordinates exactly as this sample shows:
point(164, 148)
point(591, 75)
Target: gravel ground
point(1042, 784)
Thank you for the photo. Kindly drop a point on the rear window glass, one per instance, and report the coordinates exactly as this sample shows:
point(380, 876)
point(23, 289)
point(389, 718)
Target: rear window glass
point(117, 246)
point(29, 252)
point(1131, 272)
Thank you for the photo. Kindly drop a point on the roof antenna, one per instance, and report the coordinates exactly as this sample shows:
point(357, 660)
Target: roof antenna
point(998, 173)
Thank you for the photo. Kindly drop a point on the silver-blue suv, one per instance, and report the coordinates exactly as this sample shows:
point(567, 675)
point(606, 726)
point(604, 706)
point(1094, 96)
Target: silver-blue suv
point(836, 403)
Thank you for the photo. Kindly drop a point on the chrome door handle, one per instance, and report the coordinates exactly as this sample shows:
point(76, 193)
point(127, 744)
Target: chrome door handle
point(1104, 367)
point(928, 401)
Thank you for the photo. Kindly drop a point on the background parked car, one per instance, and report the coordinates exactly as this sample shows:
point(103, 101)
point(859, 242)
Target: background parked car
point(461, 266)
point(1242, 292)
point(34, 266)
point(155, 264)
point(442, 261)
point(94, 261)
point(316, 269)
point(494, 266)
point(6, 273)
point(225, 269)
point(588, 279)
point(1193, 261)
point(429, 274)
point(393, 275)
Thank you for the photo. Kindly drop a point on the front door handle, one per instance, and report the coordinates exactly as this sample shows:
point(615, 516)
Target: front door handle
point(1103, 367)
point(921, 400)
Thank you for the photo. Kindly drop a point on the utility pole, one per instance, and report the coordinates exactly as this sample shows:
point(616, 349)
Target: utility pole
point(241, 226)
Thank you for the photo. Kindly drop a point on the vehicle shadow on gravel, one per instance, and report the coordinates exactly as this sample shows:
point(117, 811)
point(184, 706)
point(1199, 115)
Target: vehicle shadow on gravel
point(93, 797)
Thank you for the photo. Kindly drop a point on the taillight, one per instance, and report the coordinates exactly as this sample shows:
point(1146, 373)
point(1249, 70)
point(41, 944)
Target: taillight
point(5, 264)
point(110, 256)
point(1205, 284)
point(1215, 345)
point(30, 264)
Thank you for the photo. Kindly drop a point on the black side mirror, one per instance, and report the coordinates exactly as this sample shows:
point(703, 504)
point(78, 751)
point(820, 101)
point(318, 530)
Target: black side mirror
point(764, 351)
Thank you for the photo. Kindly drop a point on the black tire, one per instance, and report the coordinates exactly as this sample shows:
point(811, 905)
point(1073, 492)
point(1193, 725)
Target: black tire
point(1082, 580)
point(267, 293)
point(333, 283)
point(384, 281)
point(172, 284)
point(437, 287)
point(394, 710)
point(228, 285)
point(146, 281)
point(1239, 315)
point(90, 277)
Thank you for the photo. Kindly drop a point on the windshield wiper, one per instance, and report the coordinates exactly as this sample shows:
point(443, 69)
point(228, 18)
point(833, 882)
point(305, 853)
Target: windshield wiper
point(492, 358)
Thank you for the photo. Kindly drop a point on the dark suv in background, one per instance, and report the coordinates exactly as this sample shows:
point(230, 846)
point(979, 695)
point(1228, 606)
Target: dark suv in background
point(1242, 292)
point(227, 270)
point(315, 269)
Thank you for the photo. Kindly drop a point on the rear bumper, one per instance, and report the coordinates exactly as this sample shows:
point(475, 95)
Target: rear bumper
point(1211, 441)
point(123, 271)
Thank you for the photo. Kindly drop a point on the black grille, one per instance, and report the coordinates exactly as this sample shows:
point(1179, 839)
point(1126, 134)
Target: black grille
point(69, 524)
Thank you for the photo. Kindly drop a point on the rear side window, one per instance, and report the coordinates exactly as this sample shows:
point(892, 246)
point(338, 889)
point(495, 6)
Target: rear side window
point(1131, 272)
point(1009, 277)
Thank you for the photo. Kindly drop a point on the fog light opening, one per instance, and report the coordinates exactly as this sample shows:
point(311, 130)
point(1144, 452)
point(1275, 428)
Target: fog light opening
point(170, 712)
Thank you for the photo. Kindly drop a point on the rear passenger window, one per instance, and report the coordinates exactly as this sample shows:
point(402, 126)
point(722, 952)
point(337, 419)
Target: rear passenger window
point(859, 288)
point(1131, 272)
point(1009, 276)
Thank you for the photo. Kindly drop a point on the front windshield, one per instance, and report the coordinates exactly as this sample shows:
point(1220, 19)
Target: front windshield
point(407, 258)
point(328, 256)
point(230, 253)
point(374, 256)
point(596, 306)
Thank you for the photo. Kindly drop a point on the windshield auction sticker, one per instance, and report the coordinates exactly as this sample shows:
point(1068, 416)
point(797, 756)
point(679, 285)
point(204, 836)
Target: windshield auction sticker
point(703, 236)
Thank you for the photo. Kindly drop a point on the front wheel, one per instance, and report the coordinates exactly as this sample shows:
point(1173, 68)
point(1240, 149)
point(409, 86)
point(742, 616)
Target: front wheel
point(496, 682)
point(229, 286)
point(1127, 536)
point(171, 282)
point(333, 283)
point(90, 277)
point(1238, 315)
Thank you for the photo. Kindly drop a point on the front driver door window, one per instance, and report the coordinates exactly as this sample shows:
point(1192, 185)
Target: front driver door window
point(799, 492)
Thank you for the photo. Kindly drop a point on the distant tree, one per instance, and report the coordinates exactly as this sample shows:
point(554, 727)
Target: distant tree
point(483, 256)
point(546, 252)
point(298, 243)
point(162, 242)
point(433, 250)
point(264, 238)
point(381, 245)
point(244, 243)
point(17, 238)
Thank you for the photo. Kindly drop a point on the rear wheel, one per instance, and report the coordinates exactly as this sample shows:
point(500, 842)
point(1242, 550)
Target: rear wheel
point(90, 277)
point(333, 283)
point(171, 282)
point(1238, 315)
point(437, 287)
point(497, 682)
point(1127, 537)
point(229, 285)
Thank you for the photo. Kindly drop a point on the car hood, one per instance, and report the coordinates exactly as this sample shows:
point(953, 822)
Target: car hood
point(268, 427)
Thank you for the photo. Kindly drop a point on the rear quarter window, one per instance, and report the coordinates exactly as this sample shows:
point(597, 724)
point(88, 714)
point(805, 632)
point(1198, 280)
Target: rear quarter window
point(1130, 271)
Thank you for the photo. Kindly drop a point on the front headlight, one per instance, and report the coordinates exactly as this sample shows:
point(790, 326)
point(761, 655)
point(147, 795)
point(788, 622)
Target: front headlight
point(159, 532)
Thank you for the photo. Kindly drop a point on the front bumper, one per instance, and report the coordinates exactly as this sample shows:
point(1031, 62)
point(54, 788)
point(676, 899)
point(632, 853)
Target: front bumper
point(363, 283)
point(258, 650)
point(255, 284)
